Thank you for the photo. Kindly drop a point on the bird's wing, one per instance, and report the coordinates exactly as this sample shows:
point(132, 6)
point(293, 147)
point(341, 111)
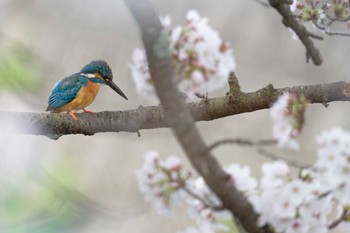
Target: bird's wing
point(66, 90)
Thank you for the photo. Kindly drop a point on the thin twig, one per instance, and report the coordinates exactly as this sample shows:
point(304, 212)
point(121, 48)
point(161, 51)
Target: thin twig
point(337, 19)
point(196, 196)
point(258, 145)
point(181, 184)
point(290, 162)
point(243, 142)
point(325, 28)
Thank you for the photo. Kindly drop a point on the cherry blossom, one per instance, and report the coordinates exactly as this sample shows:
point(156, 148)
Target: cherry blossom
point(165, 185)
point(289, 202)
point(288, 119)
point(201, 60)
point(321, 16)
point(241, 177)
point(157, 180)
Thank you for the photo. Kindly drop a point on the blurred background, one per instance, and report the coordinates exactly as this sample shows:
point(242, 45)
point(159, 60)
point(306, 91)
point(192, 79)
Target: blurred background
point(87, 184)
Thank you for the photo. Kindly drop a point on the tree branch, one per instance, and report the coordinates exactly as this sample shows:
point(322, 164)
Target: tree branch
point(235, 102)
point(179, 118)
point(290, 21)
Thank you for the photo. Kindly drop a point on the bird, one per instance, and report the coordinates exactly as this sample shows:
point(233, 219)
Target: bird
point(77, 91)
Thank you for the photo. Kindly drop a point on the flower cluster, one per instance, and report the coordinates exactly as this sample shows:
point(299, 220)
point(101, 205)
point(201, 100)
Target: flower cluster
point(322, 14)
point(288, 119)
point(160, 181)
point(304, 204)
point(165, 186)
point(310, 10)
point(201, 60)
point(333, 163)
point(341, 9)
point(202, 205)
point(241, 178)
point(290, 204)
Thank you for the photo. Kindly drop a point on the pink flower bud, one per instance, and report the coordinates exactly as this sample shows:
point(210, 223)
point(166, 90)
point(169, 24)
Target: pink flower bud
point(300, 5)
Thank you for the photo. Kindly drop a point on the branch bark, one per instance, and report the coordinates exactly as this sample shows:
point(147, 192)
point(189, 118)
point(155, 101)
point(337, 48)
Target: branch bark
point(235, 102)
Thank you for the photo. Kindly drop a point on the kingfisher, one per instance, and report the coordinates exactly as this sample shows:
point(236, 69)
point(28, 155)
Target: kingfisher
point(79, 90)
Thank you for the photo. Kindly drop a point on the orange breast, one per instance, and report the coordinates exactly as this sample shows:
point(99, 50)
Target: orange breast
point(85, 97)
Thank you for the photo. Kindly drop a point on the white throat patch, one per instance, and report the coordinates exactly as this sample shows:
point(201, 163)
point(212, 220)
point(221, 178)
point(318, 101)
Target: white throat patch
point(89, 75)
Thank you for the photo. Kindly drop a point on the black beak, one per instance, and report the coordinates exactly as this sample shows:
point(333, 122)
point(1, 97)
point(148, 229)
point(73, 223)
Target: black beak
point(115, 88)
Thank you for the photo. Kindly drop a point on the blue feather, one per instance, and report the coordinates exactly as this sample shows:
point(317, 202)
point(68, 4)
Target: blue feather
point(66, 90)
point(97, 80)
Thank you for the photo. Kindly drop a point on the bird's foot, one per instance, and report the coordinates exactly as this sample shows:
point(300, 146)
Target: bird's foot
point(73, 115)
point(87, 111)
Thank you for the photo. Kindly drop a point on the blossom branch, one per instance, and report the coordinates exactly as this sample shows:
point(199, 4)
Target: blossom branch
point(290, 21)
point(178, 116)
point(235, 102)
point(324, 26)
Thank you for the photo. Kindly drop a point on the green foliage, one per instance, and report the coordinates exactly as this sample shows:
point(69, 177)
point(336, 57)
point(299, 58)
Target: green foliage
point(231, 226)
point(41, 204)
point(16, 68)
